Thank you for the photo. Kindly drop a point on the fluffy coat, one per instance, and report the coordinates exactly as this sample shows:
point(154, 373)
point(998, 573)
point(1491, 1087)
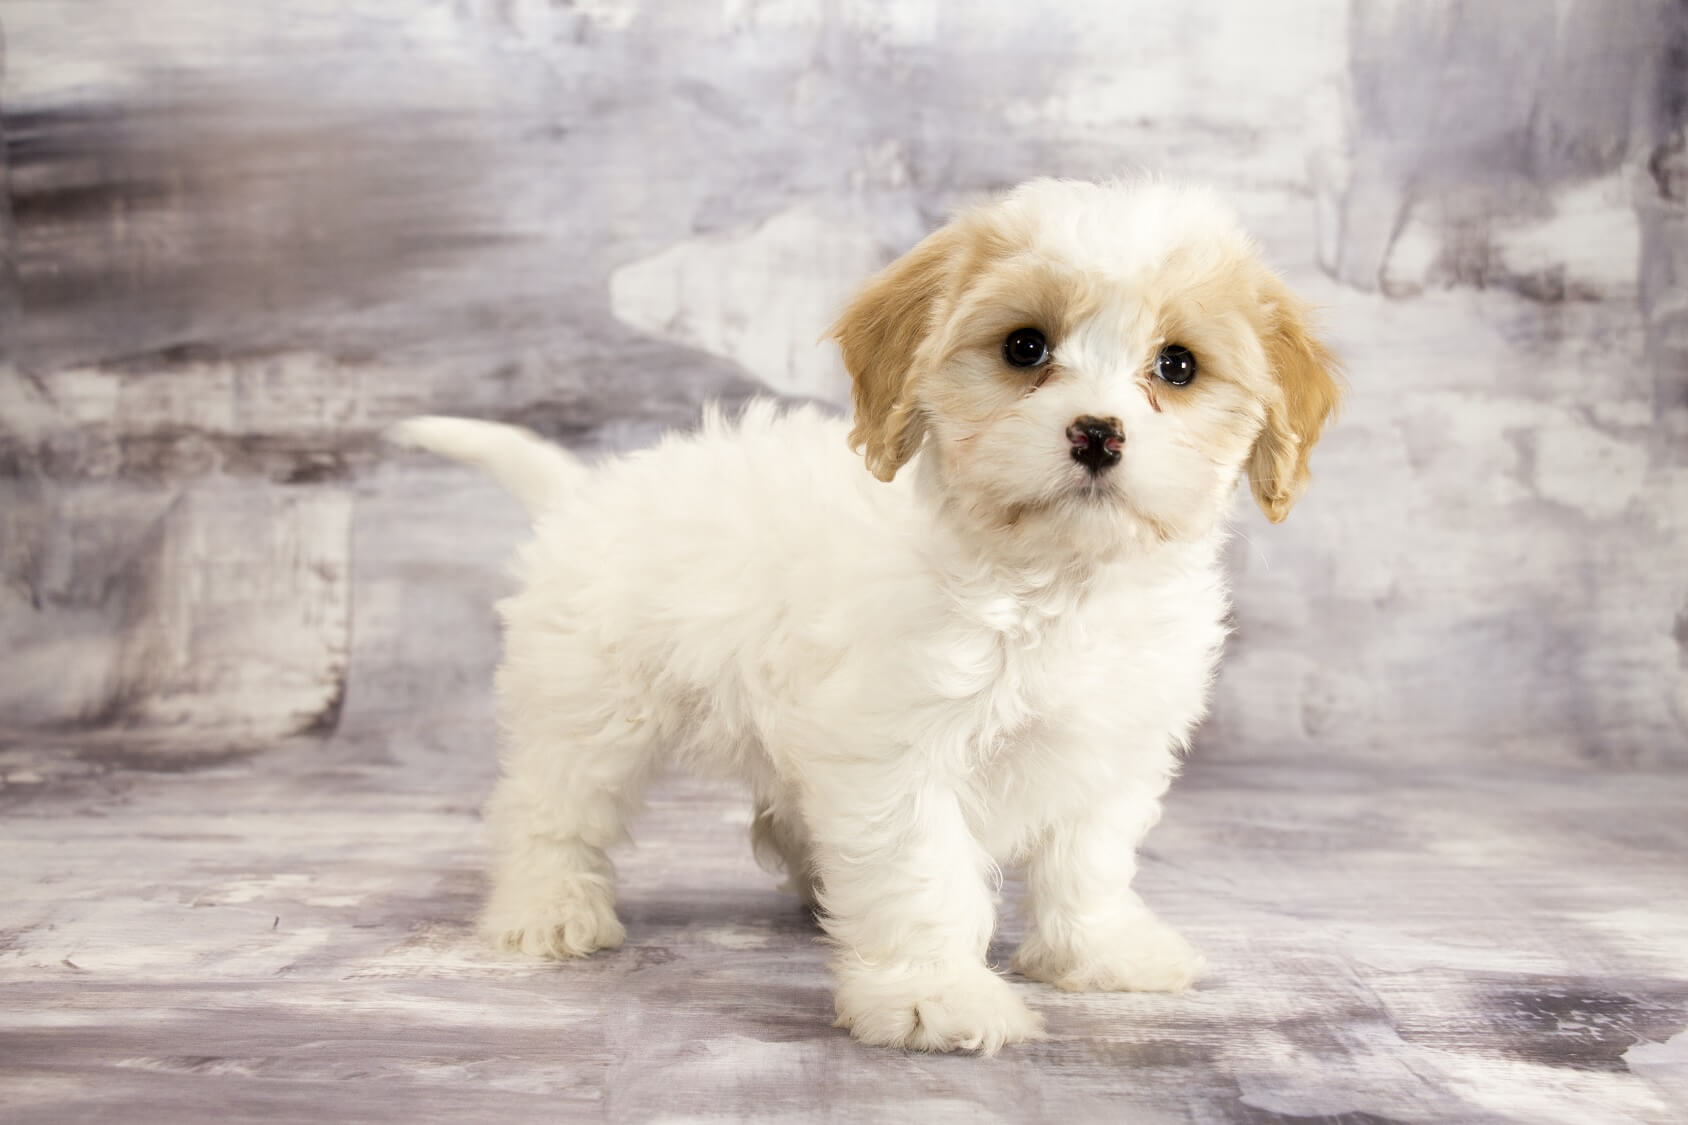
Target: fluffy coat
point(981, 652)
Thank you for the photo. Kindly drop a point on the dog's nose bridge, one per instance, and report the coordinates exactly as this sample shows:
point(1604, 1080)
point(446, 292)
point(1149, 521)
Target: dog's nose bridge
point(1125, 397)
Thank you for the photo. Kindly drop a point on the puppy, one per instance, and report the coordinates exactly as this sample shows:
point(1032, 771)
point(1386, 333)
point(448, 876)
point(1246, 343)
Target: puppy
point(989, 647)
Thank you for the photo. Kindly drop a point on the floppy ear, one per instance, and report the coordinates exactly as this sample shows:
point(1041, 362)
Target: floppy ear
point(880, 335)
point(1309, 388)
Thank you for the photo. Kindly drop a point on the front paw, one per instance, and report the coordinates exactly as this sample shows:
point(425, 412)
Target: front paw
point(945, 1008)
point(1142, 955)
point(561, 923)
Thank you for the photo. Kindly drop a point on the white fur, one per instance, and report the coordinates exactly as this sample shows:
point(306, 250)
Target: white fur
point(912, 699)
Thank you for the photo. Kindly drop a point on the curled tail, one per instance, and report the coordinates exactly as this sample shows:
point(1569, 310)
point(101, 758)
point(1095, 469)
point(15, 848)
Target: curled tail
point(523, 462)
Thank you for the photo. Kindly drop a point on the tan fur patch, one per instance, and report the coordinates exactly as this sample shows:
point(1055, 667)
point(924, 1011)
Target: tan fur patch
point(1004, 291)
point(1309, 392)
point(885, 338)
point(1227, 316)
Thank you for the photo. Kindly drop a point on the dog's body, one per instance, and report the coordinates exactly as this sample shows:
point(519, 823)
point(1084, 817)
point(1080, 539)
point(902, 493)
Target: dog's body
point(992, 658)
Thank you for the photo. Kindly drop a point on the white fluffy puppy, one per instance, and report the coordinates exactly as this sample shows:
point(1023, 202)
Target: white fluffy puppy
point(986, 647)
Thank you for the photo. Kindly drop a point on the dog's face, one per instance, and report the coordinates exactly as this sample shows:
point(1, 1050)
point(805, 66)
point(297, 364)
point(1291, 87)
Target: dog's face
point(1098, 362)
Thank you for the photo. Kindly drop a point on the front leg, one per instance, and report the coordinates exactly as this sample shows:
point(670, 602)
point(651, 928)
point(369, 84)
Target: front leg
point(906, 899)
point(1090, 931)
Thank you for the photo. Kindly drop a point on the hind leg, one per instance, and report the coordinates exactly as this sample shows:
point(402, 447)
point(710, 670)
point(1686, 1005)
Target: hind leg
point(781, 842)
point(574, 768)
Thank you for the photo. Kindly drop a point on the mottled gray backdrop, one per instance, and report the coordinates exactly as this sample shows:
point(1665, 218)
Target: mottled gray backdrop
point(1432, 841)
point(242, 238)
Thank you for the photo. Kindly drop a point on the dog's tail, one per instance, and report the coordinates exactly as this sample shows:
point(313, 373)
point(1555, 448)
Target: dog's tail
point(523, 462)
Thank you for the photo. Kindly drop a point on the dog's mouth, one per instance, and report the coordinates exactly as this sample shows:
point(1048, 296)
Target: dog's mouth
point(1098, 506)
point(1097, 489)
point(1106, 496)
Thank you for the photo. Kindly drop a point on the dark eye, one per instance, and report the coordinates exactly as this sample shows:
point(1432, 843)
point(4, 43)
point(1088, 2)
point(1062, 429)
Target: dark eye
point(1025, 347)
point(1176, 364)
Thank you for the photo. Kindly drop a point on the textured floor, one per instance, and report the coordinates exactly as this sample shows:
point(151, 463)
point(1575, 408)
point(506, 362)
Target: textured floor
point(238, 240)
point(287, 936)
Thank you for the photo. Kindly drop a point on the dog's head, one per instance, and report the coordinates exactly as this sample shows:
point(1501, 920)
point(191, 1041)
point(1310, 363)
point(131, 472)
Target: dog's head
point(1090, 359)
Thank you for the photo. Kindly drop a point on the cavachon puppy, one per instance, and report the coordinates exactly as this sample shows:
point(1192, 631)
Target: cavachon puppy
point(987, 645)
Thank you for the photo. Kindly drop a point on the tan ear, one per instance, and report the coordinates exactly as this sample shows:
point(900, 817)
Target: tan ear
point(880, 335)
point(1308, 392)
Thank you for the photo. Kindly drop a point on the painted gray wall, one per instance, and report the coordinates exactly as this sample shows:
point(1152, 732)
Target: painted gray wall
point(242, 238)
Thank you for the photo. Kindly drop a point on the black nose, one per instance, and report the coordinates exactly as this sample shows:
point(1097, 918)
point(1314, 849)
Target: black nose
point(1096, 442)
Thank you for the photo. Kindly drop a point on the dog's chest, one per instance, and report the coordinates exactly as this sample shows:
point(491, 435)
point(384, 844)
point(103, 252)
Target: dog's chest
point(1055, 699)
